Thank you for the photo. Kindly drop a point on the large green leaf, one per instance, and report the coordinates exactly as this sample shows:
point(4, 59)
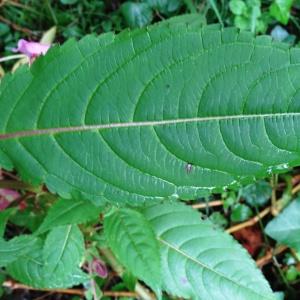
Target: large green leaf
point(132, 240)
point(201, 262)
point(285, 228)
point(171, 111)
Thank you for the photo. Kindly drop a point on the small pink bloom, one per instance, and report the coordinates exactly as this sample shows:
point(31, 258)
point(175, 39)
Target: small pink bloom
point(99, 268)
point(3, 203)
point(31, 49)
point(6, 197)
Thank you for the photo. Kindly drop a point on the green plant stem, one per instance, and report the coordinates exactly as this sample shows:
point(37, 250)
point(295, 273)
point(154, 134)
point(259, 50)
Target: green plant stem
point(139, 289)
point(274, 181)
point(191, 6)
point(215, 9)
point(262, 228)
point(11, 57)
point(17, 185)
point(51, 12)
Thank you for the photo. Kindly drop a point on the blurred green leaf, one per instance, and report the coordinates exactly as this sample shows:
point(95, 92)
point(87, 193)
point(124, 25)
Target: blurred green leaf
point(256, 194)
point(280, 10)
point(4, 29)
point(291, 273)
point(33, 214)
point(238, 7)
point(218, 219)
point(285, 228)
point(137, 14)
point(165, 7)
point(68, 2)
point(241, 22)
point(4, 215)
point(240, 213)
point(2, 279)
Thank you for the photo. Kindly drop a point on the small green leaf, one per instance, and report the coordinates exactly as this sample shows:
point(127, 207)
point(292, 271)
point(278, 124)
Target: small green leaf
point(285, 228)
point(292, 273)
point(11, 250)
point(69, 211)
point(256, 194)
point(68, 2)
point(240, 213)
point(241, 22)
point(280, 10)
point(218, 219)
point(137, 14)
point(132, 240)
point(201, 262)
point(166, 7)
point(4, 215)
point(63, 250)
point(238, 7)
point(4, 29)
point(2, 279)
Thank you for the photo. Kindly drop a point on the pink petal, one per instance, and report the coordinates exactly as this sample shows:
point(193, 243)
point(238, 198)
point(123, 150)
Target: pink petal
point(9, 195)
point(31, 49)
point(6, 197)
point(99, 268)
point(3, 203)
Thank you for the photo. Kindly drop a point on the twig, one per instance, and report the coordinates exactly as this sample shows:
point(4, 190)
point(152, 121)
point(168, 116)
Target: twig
point(296, 189)
point(251, 221)
point(18, 286)
point(269, 256)
point(79, 292)
point(16, 27)
point(13, 184)
point(208, 204)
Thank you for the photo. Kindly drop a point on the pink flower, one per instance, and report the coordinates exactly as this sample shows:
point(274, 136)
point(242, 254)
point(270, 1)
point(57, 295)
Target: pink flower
point(31, 49)
point(6, 197)
point(99, 267)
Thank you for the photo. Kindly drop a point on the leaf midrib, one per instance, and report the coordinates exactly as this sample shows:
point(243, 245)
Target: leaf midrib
point(166, 243)
point(65, 242)
point(81, 128)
